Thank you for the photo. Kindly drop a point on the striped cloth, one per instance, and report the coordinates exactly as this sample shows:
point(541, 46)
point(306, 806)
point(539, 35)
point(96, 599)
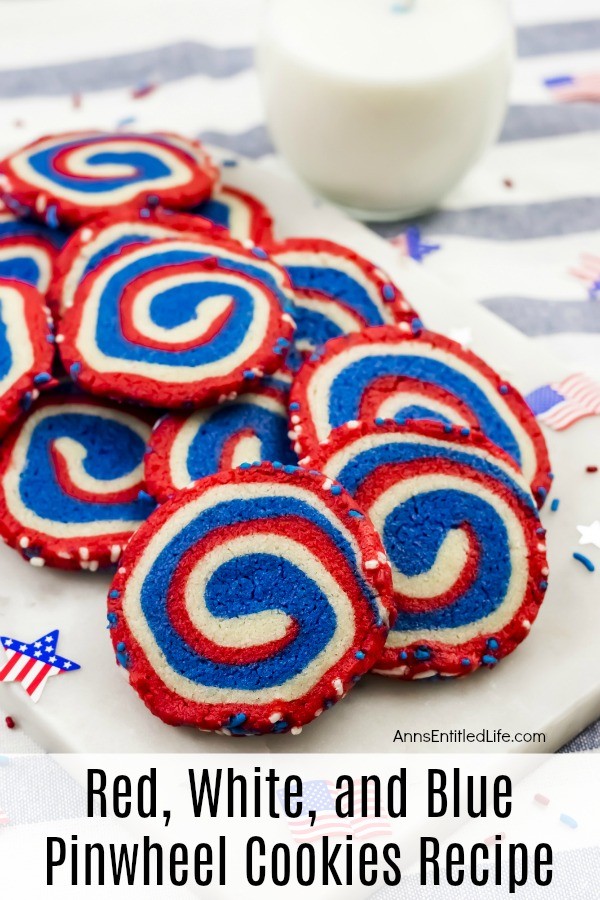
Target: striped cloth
point(520, 235)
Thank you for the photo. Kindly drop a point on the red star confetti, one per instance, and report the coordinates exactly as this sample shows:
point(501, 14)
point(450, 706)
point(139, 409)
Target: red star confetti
point(33, 664)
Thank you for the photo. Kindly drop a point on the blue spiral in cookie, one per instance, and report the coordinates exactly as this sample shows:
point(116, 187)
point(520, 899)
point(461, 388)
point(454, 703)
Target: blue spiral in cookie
point(28, 250)
point(94, 244)
point(12, 320)
point(73, 477)
point(385, 374)
point(349, 389)
point(245, 217)
point(458, 525)
point(178, 316)
point(251, 428)
point(74, 177)
point(26, 349)
point(264, 428)
point(125, 235)
point(248, 590)
point(105, 166)
point(336, 292)
point(106, 450)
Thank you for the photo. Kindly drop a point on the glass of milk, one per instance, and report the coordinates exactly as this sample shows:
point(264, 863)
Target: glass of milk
point(383, 105)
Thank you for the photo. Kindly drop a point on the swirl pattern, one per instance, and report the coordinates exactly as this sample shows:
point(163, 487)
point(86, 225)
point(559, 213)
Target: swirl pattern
point(105, 238)
point(242, 214)
point(252, 428)
point(73, 177)
point(28, 251)
point(246, 603)
point(463, 538)
point(71, 476)
point(179, 322)
point(336, 292)
point(385, 373)
point(26, 349)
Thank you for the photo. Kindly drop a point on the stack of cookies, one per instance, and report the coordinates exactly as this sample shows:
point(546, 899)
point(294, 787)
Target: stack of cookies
point(296, 482)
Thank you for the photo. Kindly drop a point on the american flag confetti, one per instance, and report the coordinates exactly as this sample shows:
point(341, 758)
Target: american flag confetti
point(409, 243)
point(320, 797)
point(33, 664)
point(565, 402)
point(575, 88)
point(588, 271)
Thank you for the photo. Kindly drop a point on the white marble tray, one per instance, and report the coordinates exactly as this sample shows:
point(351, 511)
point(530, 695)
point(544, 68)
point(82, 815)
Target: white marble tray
point(551, 684)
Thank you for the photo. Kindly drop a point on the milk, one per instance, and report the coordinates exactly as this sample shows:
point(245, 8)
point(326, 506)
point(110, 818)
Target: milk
point(382, 106)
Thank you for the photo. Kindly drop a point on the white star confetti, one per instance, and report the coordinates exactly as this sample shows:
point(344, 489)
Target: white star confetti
point(590, 534)
point(462, 336)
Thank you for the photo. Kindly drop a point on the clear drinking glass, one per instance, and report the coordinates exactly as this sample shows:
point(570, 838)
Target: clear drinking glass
point(382, 106)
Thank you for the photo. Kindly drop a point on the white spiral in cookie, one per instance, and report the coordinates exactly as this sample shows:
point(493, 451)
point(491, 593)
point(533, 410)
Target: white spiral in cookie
point(91, 245)
point(103, 170)
point(26, 348)
point(247, 600)
point(71, 482)
point(171, 319)
point(251, 428)
point(336, 292)
point(459, 527)
point(242, 214)
point(384, 372)
point(28, 251)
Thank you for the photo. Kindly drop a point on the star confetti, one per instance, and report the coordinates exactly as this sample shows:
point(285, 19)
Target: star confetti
point(33, 664)
point(590, 534)
point(462, 336)
point(410, 243)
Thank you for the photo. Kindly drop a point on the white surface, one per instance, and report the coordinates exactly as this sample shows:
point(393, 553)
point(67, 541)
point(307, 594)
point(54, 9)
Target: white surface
point(551, 683)
point(385, 105)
